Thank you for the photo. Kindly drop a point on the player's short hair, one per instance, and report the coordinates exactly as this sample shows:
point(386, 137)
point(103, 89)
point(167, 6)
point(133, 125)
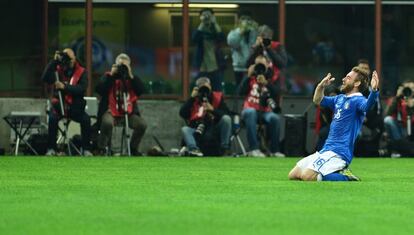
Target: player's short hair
point(363, 77)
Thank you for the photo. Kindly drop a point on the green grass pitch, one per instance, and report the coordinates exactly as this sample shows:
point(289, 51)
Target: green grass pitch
point(101, 195)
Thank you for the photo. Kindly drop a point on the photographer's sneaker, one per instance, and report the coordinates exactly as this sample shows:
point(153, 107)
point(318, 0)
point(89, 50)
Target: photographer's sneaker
point(256, 153)
point(348, 173)
point(395, 155)
point(195, 153)
point(50, 152)
point(87, 153)
point(277, 154)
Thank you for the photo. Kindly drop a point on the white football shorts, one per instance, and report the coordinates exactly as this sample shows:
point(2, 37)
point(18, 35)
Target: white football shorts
point(324, 163)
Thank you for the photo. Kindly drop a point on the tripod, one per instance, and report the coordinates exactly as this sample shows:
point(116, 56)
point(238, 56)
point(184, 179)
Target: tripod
point(63, 138)
point(125, 132)
point(235, 137)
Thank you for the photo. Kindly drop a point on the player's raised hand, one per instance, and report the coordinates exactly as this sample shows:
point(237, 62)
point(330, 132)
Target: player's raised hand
point(374, 81)
point(327, 80)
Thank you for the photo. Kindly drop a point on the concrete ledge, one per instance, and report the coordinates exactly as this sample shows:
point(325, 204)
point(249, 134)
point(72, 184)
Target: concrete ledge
point(162, 117)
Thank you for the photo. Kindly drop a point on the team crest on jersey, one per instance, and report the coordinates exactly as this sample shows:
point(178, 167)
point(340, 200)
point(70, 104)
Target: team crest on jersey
point(346, 105)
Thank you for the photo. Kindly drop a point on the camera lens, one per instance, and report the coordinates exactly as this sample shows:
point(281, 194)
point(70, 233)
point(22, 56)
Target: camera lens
point(259, 69)
point(200, 130)
point(63, 59)
point(407, 92)
point(266, 42)
point(203, 93)
point(271, 103)
point(122, 71)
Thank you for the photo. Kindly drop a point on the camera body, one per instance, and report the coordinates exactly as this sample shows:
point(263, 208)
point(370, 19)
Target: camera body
point(407, 92)
point(266, 42)
point(267, 101)
point(63, 59)
point(122, 72)
point(199, 130)
point(204, 93)
point(259, 69)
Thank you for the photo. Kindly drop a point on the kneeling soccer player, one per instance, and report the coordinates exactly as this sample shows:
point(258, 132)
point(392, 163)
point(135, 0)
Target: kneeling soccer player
point(349, 108)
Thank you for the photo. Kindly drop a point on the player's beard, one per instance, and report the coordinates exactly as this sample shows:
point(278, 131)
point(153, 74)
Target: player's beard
point(345, 88)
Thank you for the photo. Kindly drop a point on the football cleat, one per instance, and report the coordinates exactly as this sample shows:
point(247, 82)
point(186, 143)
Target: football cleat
point(348, 173)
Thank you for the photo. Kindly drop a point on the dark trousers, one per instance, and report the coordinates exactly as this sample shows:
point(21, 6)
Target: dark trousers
point(81, 117)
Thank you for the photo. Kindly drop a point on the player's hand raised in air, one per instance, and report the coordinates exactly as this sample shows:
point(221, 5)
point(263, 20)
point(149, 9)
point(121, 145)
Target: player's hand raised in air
point(374, 81)
point(327, 80)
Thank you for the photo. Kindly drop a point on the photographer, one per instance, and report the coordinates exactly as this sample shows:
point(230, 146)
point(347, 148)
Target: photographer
point(207, 117)
point(71, 84)
point(273, 50)
point(241, 41)
point(111, 88)
point(259, 106)
point(209, 59)
point(398, 113)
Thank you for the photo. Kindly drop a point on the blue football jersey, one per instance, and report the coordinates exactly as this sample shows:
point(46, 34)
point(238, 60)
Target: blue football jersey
point(348, 116)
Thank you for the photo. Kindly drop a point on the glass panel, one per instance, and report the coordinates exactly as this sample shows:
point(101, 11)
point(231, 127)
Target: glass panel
point(397, 46)
point(67, 28)
point(140, 30)
point(144, 32)
point(20, 46)
point(228, 20)
point(326, 38)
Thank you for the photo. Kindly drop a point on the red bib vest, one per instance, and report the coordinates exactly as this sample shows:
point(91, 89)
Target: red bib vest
point(402, 109)
point(74, 80)
point(253, 98)
point(116, 99)
point(198, 112)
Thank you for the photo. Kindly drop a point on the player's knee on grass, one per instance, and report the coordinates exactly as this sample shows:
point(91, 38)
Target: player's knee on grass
point(295, 173)
point(309, 175)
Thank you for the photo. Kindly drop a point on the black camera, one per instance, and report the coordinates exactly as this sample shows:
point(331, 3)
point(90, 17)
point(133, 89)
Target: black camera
point(267, 101)
point(407, 92)
point(122, 71)
point(63, 59)
point(266, 42)
point(204, 93)
point(199, 130)
point(259, 69)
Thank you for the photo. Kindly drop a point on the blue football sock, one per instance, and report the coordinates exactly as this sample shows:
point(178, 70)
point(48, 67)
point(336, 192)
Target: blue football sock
point(335, 177)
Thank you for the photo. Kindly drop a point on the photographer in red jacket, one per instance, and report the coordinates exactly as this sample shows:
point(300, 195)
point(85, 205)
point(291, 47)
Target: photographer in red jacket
point(209, 124)
point(259, 106)
point(111, 88)
point(70, 86)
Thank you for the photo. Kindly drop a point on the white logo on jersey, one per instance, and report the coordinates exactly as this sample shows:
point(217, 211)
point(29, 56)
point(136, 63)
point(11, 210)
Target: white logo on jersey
point(254, 94)
point(346, 105)
point(338, 114)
